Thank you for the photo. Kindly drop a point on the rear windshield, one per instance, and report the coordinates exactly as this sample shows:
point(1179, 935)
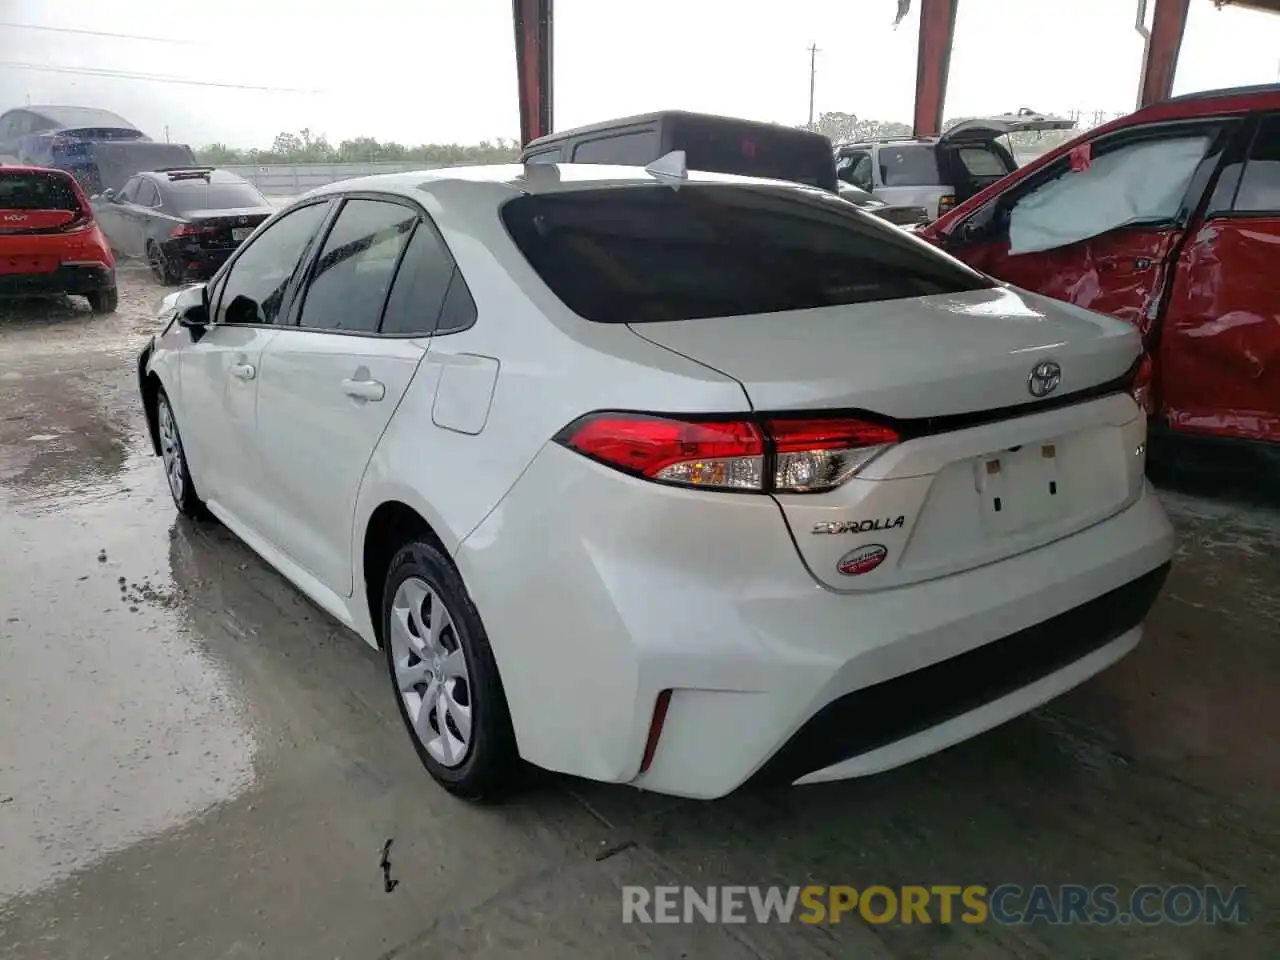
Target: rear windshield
point(982, 162)
point(751, 151)
point(911, 165)
point(640, 254)
point(191, 195)
point(36, 191)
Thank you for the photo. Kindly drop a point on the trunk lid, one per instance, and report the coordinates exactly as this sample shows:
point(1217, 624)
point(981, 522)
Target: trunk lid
point(989, 128)
point(984, 468)
point(227, 228)
point(909, 358)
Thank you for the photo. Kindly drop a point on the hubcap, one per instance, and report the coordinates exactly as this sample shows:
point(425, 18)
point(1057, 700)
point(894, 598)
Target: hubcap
point(171, 452)
point(431, 671)
point(157, 264)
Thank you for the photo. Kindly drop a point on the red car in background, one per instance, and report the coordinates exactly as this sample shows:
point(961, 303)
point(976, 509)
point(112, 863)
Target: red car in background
point(1168, 218)
point(50, 243)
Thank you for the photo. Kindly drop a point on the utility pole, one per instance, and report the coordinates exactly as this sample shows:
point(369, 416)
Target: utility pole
point(813, 71)
point(166, 133)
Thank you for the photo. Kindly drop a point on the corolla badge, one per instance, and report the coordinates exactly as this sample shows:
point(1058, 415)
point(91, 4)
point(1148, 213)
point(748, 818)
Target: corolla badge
point(862, 559)
point(1044, 379)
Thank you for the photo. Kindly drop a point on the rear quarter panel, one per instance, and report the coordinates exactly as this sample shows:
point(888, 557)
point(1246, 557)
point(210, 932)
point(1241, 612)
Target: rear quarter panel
point(551, 367)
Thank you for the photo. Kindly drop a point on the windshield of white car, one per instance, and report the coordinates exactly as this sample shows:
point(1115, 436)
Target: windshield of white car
point(651, 254)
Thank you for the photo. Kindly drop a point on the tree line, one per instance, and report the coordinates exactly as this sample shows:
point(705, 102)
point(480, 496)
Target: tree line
point(304, 146)
point(307, 147)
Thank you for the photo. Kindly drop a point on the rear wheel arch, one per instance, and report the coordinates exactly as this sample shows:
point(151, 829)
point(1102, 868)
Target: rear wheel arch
point(391, 525)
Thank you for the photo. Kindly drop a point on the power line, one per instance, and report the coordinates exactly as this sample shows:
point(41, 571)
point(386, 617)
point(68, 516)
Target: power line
point(93, 33)
point(152, 77)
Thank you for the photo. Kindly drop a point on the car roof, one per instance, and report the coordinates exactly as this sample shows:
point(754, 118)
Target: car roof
point(70, 117)
point(513, 179)
point(641, 118)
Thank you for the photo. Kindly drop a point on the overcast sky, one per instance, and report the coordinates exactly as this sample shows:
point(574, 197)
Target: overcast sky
point(444, 70)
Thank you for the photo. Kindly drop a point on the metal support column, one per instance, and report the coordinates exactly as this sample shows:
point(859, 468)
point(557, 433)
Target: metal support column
point(1164, 40)
point(933, 62)
point(533, 66)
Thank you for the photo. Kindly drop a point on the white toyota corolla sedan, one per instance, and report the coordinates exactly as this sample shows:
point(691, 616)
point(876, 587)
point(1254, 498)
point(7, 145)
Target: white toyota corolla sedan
point(676, 480)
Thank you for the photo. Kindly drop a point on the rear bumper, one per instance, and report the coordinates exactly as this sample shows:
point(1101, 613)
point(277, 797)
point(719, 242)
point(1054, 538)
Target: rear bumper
point(72, 278)
point(599, 591)
point(193, 262)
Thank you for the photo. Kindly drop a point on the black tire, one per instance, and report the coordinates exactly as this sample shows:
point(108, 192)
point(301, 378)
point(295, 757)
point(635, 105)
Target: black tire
point(161, 269)
point(491, 764)
point(188, 501)
point(104, 301)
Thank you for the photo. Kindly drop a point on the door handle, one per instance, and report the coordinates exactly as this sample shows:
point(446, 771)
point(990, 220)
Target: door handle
point(243, 371)
point(363, 389)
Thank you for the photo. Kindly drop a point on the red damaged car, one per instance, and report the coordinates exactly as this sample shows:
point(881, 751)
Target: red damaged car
point(1168, 218)
point(50, 243)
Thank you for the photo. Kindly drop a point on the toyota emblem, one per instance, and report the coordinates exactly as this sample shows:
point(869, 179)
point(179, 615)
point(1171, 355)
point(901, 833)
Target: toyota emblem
point(1044, 379)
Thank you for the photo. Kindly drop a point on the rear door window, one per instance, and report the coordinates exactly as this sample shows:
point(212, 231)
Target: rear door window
point(981, 162)
point(36, 191)
point(1260, 186)
point(421, 286)
point(352, 275)
point(148, 196)
point(637, 254)
point(909, 165)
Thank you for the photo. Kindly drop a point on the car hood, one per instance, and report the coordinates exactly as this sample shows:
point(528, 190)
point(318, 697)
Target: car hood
point(910, 358)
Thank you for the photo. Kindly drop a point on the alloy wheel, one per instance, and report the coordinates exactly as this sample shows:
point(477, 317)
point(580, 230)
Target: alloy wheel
point(171, 452)
point(431, 671)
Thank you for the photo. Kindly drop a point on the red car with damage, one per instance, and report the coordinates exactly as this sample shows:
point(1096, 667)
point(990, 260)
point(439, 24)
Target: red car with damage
point(1168, 218)
point(50, 243)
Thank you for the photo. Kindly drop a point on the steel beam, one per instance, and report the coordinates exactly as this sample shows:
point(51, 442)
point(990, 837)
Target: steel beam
point(533, 66)
point(1164, 41)
point(933, 63)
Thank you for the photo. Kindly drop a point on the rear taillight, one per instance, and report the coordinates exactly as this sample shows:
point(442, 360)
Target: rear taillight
point(946, 204)
point(819, 454)
point(1140, 388)
point(784, 455)
point(189, 230)
point(726, 454)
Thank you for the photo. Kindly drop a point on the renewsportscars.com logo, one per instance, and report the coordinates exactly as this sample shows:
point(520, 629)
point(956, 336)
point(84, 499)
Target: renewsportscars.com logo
point(1006, 904)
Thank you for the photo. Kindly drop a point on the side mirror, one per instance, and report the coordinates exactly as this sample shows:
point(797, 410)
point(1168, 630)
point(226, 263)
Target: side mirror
point(193, 310)
point(194, 316)
point(243, 309)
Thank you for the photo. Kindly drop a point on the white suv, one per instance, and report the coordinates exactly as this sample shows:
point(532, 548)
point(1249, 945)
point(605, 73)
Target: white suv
point(939, 172)
point(663, 478)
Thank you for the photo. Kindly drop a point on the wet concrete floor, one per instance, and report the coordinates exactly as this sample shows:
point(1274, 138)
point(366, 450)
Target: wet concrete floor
point(196, 763)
